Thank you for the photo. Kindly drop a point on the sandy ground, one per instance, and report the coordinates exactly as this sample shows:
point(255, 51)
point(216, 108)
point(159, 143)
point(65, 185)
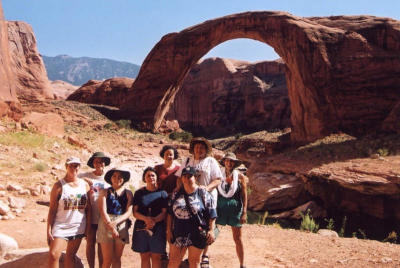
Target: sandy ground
point(265, 246)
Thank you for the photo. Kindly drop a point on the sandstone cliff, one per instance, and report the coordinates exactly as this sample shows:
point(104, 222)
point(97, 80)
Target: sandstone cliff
point(223, 96)
point(31, 76)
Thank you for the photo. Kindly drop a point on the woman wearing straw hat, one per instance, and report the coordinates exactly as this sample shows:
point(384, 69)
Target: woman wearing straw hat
point(232, 201)
point(96, 181)
point(115, 206)
point(209, 174)
point(69, 213)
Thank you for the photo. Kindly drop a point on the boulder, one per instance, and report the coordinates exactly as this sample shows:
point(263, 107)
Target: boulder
point(47, 123)
point(314, 210)
point(15, 202)
point(4, 208)
point(7, 244)
point(275, 191)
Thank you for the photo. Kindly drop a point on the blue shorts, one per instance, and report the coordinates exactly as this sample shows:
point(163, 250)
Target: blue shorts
point(155, 242)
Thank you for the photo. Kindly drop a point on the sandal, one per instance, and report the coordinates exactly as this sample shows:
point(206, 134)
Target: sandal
point(205, 261)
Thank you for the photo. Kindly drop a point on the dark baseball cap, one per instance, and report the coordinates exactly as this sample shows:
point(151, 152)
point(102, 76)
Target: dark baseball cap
point(189, 170)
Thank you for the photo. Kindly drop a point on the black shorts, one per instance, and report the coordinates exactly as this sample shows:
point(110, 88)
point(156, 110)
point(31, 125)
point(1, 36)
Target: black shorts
point(73, 237)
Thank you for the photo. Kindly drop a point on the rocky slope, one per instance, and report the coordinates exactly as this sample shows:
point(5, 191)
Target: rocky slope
point(78, 71)
point(223, 96)
point(62, 89)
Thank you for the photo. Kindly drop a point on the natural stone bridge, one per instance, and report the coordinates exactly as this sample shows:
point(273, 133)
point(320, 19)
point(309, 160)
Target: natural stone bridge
point(343, 73)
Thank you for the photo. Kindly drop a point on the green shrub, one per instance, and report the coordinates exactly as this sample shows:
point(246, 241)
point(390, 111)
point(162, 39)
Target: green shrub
point(308, 223)
point(383, 152)
point(108, 125)
point(392, 237)
point(362, 233)
point(40, 166)
point(124, 123)
point(343, 228)
point(183, 136)
point(330, 225)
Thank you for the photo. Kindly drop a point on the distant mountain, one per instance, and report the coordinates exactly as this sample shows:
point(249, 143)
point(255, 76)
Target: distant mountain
point(78, 71)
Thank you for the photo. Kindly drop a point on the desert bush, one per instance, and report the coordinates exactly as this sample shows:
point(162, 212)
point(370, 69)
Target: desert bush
point(183, 136)
point(362, 234)
point(308, 223)
point(124, 123)
point(108, 125)
point(330, 225)
point(383, 152)
point(40, 167)
point(392, 237)
point(343, 228)
point(257, 217)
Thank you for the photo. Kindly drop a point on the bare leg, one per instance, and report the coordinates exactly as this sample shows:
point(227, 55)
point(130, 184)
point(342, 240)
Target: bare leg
point(118, 250)
point(107, 249)
point(72, 248)
point(145, 260)
point(99, 254)
point(91, 246)
point(175, 256)
point(237, 237)
point(56, 246)
point(155, 260)
point(194, 257)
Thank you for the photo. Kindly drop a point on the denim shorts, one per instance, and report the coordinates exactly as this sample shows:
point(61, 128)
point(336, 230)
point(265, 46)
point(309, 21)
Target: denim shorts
point(143, 241)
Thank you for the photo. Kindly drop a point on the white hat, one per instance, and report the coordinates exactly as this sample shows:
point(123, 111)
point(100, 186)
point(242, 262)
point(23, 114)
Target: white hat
point(73, 160)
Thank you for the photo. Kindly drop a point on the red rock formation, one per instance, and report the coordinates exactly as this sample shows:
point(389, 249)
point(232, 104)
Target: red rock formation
point(110, 92)
point(31, 75)
point(342, 72)
point(62, 89)
point(7, 88)
point(222, 96)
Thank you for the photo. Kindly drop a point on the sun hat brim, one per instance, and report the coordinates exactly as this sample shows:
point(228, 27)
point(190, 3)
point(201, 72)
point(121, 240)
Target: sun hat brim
point(125, 174)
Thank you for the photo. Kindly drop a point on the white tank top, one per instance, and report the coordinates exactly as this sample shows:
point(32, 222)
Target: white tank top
point(71, 217)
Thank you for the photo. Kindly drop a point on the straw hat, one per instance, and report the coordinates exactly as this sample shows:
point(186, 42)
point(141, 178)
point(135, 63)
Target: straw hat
point(200, 140)
point(231, 156)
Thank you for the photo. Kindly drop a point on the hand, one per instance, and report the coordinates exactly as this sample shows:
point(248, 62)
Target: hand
point(243, 218)
point(115, 233)
point(89, 181)
point(50, 237)
point(150, 222)
point(210, 237)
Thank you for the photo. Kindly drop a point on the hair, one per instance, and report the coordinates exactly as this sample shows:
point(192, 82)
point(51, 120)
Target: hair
point(169, 147)
point(146, 170)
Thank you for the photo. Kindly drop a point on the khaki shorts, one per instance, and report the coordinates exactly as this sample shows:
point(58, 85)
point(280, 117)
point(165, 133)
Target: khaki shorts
point(105, 236)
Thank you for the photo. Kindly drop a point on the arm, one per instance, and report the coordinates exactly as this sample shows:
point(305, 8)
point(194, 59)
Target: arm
point(103, 213)
point(55, 195)
point(214, 184)
point(88, 210)
point(243, 181)
point(210, 233)
point(149, 221)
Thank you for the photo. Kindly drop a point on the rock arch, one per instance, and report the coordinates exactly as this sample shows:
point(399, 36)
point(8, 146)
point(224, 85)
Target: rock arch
point(341, 71)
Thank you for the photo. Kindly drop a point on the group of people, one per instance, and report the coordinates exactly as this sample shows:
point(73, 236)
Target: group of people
point(179, 204)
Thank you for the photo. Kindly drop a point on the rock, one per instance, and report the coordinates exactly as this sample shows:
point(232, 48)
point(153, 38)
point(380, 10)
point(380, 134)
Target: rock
point(46, 123)
point(7, 244)
point(36, 257)
point(4, 208)
point(110, 92)
point(2, 187)
point(275, 191)
point(8, 77)
point(76, 141)
point(31, 76)
point(321, 68)
point(15, 202)
point(328, 233)
point(315, 211)
point(2, 193)
point(14, 187)
point(223, 97)
point(62, 89)
point(169, 126)
point(24, 192)
point(45, 190)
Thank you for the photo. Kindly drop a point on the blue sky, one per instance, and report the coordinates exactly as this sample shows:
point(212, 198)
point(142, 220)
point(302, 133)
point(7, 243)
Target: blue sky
point(127, 30)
